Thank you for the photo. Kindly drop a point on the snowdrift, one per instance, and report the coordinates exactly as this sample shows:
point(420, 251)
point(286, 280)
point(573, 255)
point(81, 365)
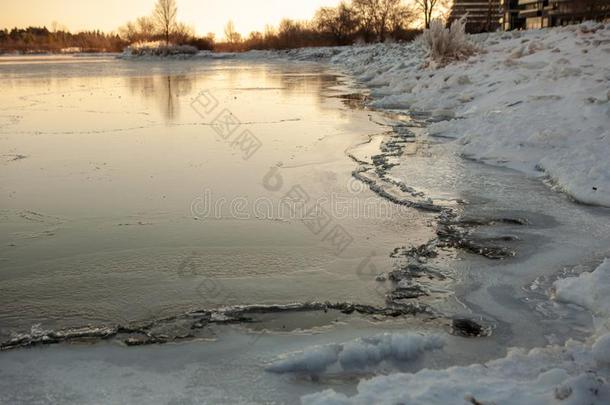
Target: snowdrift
point(576, 373)
point(358, 355)
point(536, 101)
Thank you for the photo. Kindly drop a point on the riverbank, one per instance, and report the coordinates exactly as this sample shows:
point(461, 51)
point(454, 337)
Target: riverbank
point(537, 102)
point(484, 249)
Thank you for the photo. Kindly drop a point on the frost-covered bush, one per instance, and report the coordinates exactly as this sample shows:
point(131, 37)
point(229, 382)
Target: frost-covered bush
point(445, 45)
point(159, 48)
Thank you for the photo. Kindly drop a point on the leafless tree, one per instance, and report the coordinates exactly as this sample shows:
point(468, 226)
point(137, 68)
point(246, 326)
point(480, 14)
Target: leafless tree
point(255, 40)
point(165, 17)
point(57, 27)
point(182, 33)
point(427, 7)
point(378, 17)
point(291, 33)
point(341, 21)
point(400, 18)
point(231, 35)
point(143, 29)
point(128, 32)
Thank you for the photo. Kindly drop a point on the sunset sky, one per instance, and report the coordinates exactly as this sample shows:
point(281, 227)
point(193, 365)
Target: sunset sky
point(204, 15)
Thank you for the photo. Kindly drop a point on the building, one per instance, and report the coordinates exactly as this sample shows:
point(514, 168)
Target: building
point(490, 15)
point(551, 13)
point(511, 18)
point(481, 15)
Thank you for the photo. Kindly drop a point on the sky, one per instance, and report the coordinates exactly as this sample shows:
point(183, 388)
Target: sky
point(204, 15)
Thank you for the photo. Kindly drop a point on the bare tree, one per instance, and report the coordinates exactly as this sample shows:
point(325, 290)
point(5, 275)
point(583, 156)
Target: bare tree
point(378, 17)
point(146, 27)
point(128, 32)
point(143, 29)
point(400, 18)
point(255, 40)
point(165, 17)
point(231, 35)
point(427, 7)
point(341, 22)
point(290, 33)
point(182, 33)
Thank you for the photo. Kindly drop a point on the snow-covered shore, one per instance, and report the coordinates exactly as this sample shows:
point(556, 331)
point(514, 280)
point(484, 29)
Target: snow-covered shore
point(536, 101)
point(574, 373)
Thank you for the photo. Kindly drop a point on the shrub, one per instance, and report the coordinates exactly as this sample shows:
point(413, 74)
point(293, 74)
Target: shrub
point(445, 45)
point(159, 48)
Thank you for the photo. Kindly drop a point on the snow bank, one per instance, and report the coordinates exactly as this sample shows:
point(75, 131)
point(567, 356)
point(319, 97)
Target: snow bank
point(541, 376)
point(575, 373)
point(157, 48)
point(589, 290)
point(534, 101)
point(601, 351)
point(357, 355)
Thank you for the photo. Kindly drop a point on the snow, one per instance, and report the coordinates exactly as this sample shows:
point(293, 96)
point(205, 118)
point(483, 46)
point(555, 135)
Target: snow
point(312, 361)
point(589, 290)
point(536, 101)
point(357, 355)
point(601, 351)
point(575, 373)
point(157, 48)
point(540, 376)
point(533, 101)
point(451, 387)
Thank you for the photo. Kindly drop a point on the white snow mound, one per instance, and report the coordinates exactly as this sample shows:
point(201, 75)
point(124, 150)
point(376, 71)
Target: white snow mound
point(553, 375)
point(589, 290)
point(576, 373)
point(357, 355)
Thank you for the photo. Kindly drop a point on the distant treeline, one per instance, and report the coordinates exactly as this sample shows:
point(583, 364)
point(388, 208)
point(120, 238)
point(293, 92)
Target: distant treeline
point(40, 39)
point(349, 22)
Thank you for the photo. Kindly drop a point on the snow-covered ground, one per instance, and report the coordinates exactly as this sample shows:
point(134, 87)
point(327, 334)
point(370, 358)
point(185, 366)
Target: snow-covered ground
point(357, 355)
point(575, 373)
point(537, 101)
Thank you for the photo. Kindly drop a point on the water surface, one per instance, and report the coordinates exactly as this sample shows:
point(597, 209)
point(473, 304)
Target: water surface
point(122, 193)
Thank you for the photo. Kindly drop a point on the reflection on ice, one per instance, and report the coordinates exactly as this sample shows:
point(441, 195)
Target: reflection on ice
point(164, 90)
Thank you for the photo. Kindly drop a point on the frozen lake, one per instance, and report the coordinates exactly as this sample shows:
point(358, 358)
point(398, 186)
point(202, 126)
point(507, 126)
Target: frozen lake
point(120, 196)
point(137, 192)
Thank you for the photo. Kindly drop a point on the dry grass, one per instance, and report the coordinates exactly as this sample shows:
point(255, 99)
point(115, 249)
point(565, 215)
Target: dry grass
point(446, 45)
point(159, 48)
